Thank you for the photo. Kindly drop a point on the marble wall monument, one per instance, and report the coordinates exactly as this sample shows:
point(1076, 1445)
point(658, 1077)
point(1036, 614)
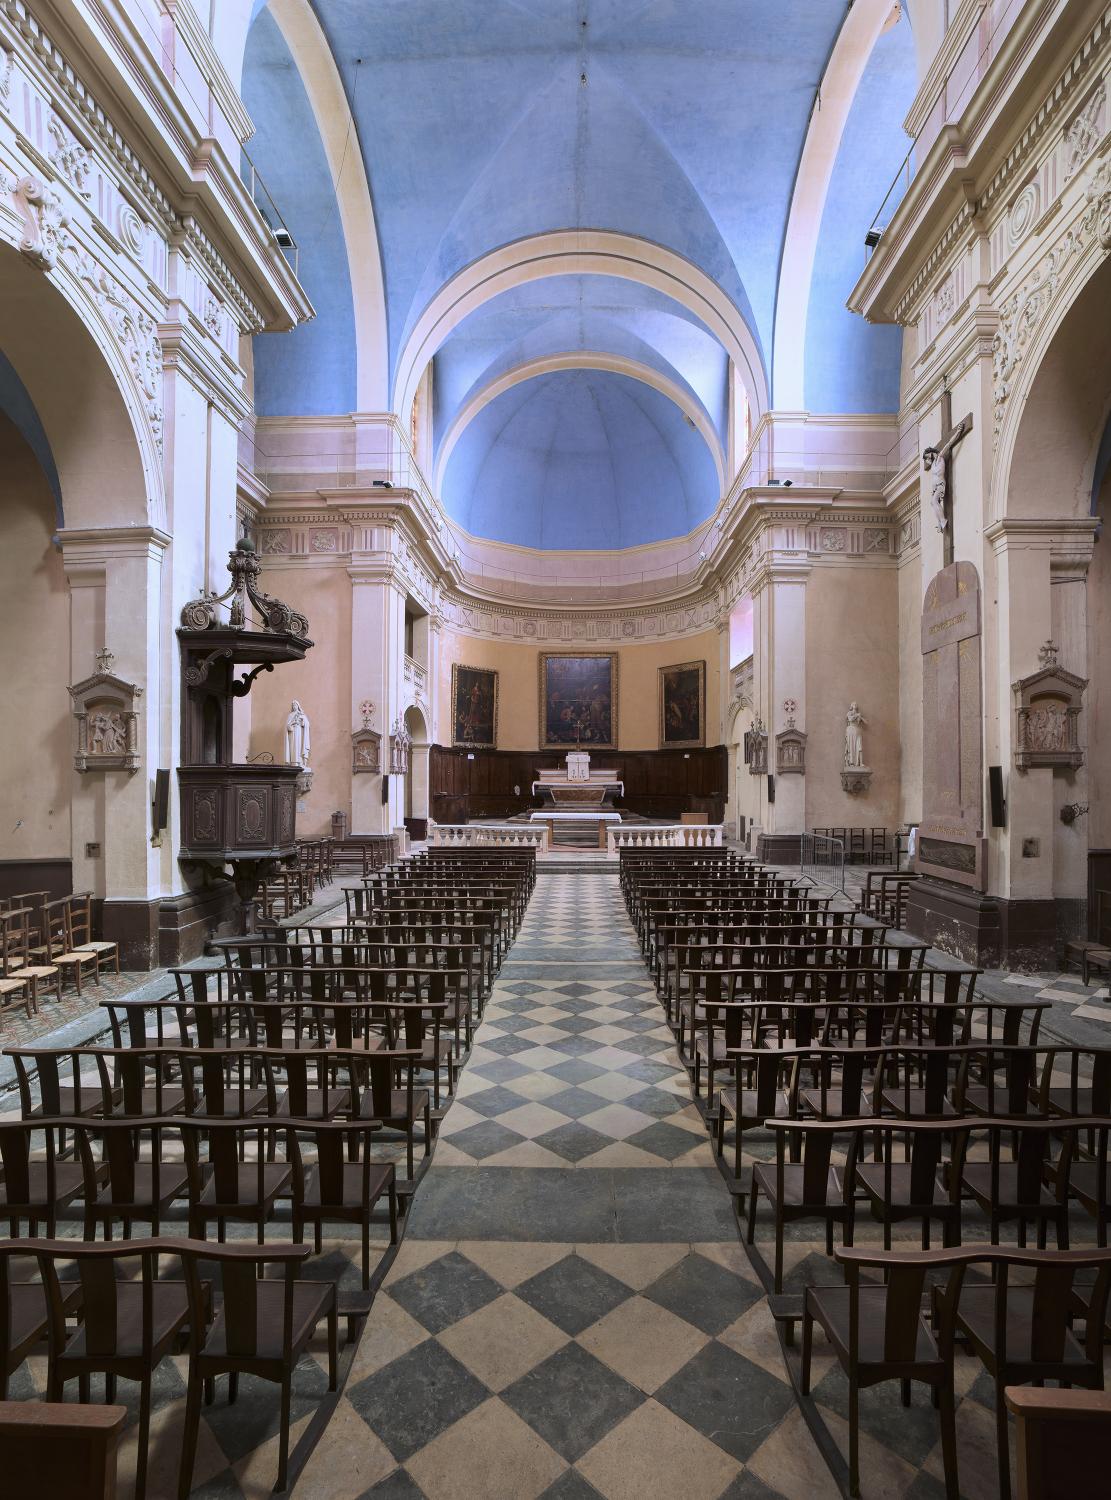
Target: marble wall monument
point(951, 844)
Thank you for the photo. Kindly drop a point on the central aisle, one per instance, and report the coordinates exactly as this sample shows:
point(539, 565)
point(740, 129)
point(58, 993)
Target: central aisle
point(571, 1290)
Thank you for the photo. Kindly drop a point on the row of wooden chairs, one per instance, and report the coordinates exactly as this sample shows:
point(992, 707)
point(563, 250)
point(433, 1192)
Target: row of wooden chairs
point(44, 943)
point(115, 1323)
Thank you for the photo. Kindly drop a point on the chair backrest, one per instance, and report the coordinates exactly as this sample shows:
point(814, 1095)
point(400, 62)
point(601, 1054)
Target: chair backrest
point(98, 1267)
point(15, 1157)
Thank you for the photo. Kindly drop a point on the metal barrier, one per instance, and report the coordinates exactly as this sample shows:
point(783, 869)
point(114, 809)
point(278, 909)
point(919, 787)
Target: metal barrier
point(822, 860)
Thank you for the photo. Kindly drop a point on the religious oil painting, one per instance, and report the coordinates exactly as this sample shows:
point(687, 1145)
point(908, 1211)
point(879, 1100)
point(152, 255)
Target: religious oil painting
point(683, 706)
point(474, 707)
point(578, 700)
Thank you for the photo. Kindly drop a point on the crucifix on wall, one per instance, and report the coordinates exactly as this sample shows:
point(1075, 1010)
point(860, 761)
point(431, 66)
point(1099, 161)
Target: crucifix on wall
point(935, 460)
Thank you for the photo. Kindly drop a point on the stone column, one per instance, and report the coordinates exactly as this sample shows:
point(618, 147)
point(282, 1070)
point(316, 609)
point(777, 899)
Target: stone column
point(779, 646)
point(377, 661)
point(115, 576)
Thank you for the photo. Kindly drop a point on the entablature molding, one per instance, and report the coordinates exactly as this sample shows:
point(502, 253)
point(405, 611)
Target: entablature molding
point(158, 169)
point(990, 174)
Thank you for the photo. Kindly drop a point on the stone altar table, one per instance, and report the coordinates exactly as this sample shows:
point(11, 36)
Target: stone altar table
point(578, 787)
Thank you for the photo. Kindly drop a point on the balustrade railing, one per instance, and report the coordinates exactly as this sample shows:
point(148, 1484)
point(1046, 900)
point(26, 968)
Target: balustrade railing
point(487, 835)
point(668, 836)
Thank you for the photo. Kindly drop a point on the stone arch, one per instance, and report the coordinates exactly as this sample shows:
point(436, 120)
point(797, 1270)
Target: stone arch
point(416, 783)
point(89, 360)
point(581, 252)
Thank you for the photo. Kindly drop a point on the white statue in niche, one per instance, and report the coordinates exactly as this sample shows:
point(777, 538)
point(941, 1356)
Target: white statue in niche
point(297, 736)
point(854, 736)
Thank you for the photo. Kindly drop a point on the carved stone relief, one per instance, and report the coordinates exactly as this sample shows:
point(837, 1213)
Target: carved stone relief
point(7, 61)
point(1047, 706)
point(44, 217)
point(68, 155)
point(1083, 134)
point(104, 707)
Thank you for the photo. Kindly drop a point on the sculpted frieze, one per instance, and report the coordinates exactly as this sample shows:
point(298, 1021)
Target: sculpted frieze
point(69, 157)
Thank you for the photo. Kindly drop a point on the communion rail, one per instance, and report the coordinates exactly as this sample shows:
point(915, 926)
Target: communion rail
point(487, 836)
point(669, 836)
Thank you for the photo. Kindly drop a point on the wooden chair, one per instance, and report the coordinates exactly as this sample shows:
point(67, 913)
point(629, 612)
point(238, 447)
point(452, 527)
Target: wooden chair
point(878, 1333)
point(1022, 1333)
point(24, 1312)
point(135, 1187)
point(222, 1186)
point(34, 1189)
point(332, 1190)
point(926, 1187)
point(1021, 1181)
point(18, 974)
point(57, 950)
point(81, 933)
point(810, 1188)
point(764, 1087)
point(128, 1326)
point(392, 1107)
point(262, 1329)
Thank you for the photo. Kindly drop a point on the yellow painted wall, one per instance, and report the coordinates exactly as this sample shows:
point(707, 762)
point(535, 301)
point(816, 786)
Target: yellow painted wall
point(322, 685)
point(519, 686)
point(37, 796)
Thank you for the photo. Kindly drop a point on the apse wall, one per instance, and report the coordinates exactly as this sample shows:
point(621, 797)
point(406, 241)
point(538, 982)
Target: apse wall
point(518, 668)
point(311, 371)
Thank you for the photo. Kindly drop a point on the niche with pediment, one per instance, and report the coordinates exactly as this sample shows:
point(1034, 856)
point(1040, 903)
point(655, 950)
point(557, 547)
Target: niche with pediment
point(1047, 707)
point(107, 717)
point(790, 752)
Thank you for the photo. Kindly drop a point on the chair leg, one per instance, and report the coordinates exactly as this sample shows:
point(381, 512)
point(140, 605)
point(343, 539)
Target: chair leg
point(283, 1436)
point(854, 1439)
point(333, 1346)
point(393, 1213)
point(1002, 1442)
point(366, 1253)
point(752, 1210)
point(807, 1348)
point(189, 1436)
point(144, 1437)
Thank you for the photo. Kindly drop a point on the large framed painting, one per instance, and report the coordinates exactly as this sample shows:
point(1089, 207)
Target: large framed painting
point(683, 706)
point(578, 700)
point(474, 707)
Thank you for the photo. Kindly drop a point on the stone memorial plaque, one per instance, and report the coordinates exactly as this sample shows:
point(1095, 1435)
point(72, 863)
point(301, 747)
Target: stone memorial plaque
point(951, 844)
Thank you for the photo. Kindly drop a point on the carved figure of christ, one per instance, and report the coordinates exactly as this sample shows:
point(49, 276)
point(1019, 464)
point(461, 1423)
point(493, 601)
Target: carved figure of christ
point(936, 461)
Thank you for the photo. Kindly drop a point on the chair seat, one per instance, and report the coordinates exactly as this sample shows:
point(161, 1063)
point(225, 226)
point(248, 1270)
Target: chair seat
point(310, 1303)
point(173, 1182)
point(73, 957)
point(9, 986)
point(98, 946)
point(319, 1105)
point(793, 1186)
point(871, 1176)
point(830, 1306)
point(743, 1103)
point(29, 1314)
point(253, 1101)
point(352, 1192)
point(169, 1314)
point(276, 1177)
point(69, 1182)
point(811, 1101)
point(911, 1103)
point(38, 971)
point(398, 1115)
point(980, 1100)
point(976, 1177)
point(976, 1315)
point(152, 1101)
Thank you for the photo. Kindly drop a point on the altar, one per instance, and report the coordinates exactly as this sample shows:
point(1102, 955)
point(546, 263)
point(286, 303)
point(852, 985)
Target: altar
point(578, 789)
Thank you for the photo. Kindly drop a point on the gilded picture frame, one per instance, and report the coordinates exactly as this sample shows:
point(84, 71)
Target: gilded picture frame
point(682, 703)
point(474, 707)
point(578, 700)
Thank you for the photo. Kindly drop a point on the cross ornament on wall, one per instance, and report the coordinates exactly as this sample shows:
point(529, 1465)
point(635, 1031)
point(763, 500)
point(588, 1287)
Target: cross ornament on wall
point(935, 461)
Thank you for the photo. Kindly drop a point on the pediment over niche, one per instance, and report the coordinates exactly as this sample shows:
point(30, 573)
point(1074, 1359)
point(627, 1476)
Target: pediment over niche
point(1047, 708)
point(104, 707)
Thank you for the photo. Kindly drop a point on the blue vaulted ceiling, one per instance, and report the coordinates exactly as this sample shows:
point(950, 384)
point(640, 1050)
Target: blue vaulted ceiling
point(580, 459)
point(485, 122)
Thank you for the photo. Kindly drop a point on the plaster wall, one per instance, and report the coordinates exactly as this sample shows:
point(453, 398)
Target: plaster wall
point(35, 800)
point(852, 653)
point(909, 587)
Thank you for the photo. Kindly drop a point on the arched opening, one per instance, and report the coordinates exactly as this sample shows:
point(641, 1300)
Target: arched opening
point(1057, 588)
point(416, 782)
point(79, 572)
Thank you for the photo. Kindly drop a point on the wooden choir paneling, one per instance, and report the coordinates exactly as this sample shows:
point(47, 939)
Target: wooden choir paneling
point(658, 783)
